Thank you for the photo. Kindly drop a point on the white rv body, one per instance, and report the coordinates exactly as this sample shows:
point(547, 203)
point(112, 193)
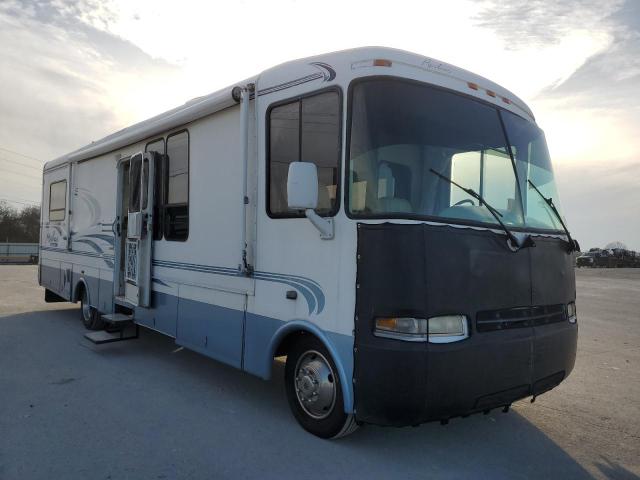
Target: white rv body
point(241, 281)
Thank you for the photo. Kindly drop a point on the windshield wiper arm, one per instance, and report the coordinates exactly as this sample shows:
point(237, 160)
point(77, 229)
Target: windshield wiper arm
point(573, 245)
point(518, 243)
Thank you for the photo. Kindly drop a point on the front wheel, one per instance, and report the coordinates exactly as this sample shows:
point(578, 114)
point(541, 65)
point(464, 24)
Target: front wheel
point(314, 391)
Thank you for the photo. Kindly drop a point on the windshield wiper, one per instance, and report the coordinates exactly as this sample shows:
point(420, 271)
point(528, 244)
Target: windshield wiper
point(518, 241)
point(573, 244)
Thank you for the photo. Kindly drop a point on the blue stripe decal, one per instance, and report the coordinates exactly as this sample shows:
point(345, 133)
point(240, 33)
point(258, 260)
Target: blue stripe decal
point(308, 288)
point(108, 259)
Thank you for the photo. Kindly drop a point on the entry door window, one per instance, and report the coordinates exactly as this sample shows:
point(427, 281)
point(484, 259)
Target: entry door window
point(134, 183)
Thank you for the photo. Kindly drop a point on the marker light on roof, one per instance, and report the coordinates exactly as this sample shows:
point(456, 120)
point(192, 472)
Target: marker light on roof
point(380, 62)
point(491, 93)
point(375, 62)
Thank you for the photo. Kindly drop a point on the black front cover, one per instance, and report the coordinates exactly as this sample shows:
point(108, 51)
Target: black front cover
point(426, 270)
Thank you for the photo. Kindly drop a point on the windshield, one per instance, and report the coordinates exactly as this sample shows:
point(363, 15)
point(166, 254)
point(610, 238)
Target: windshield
point(402, 130)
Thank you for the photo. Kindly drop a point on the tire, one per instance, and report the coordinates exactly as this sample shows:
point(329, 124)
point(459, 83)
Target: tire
point(314, 391)
point(90, 316)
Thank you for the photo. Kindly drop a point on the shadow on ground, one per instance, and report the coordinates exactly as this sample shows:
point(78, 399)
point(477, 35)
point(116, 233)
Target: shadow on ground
point(141, 409)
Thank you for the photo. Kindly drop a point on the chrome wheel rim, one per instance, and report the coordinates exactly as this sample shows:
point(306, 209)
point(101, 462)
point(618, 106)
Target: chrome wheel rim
point(86, 308)
point(315, 385)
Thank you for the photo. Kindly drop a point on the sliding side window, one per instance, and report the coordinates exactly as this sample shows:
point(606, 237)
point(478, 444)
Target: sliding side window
point(58, 200)
point(307, 130)
point(176, 199)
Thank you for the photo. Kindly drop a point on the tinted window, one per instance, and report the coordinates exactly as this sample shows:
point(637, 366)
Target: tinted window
point(157, 146)
point(134, 183)
point(305, 130)
point(284, 148)
point(178, 169)
point(145, 182)
point(176, 199)
point(58, 200)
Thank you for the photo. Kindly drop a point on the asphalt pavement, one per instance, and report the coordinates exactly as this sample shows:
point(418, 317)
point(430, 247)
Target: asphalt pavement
point(144, 409)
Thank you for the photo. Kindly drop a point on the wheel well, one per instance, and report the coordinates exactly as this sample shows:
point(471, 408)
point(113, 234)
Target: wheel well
point(287, 342)
point(284, 347)
point(80, 287)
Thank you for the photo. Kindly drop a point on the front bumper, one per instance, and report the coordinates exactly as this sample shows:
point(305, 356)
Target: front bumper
point(401, 383)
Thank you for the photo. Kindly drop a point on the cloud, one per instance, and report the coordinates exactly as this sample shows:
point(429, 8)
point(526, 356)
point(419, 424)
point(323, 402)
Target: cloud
point(611, 78)
point(526, 22)
point(63, 82)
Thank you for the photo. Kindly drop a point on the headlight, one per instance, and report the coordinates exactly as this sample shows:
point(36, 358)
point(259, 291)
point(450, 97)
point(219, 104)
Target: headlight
point(572, 313)
point(443, 329)
point(448, 328)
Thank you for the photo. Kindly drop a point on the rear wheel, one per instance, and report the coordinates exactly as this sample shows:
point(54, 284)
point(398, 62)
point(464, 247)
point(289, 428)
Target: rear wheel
point(314, 391)
point(89, 315)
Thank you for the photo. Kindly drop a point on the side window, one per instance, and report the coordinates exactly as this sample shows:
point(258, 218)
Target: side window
point(58, 201)
point(157, 146)
point(305, 130)
point(176, 197)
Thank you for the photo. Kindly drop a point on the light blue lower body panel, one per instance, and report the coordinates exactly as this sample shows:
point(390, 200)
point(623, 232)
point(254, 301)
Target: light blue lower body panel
point(50, 277)
point(106, 296)
point(245, 341)
point(163, 314)
point(211, 330)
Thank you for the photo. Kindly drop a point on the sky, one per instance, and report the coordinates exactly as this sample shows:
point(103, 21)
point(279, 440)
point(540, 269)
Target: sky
point(74, 71)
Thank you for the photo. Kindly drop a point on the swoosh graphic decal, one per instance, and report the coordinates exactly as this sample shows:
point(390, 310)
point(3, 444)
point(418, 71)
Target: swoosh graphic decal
point(308, 288)
point(91, 202)
point(306, 293)
point(327, 70)
point(106, 238)
point(326, 73)
point(303, 282)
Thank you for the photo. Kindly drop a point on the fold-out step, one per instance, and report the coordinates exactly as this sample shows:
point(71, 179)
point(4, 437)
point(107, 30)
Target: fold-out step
point(121, 300)
point(104, 336)
point(117, 318)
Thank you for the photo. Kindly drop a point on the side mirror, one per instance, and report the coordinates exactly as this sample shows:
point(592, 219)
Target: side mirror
point(302, 186)
point(576, 245)
point(302, 194)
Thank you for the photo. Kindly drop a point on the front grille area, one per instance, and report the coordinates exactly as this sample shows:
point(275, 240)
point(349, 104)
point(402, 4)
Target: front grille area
point(520, 317)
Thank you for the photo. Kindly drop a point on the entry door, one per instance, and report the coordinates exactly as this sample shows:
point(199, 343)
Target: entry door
point(139, 239)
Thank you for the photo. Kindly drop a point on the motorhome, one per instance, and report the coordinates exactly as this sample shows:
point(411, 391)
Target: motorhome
point(386, 221)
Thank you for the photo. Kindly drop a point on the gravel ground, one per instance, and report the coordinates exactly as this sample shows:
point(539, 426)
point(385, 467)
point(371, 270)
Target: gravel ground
point(142, 410)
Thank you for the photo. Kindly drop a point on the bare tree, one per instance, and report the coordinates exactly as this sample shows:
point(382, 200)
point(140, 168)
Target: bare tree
point(19, 226)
